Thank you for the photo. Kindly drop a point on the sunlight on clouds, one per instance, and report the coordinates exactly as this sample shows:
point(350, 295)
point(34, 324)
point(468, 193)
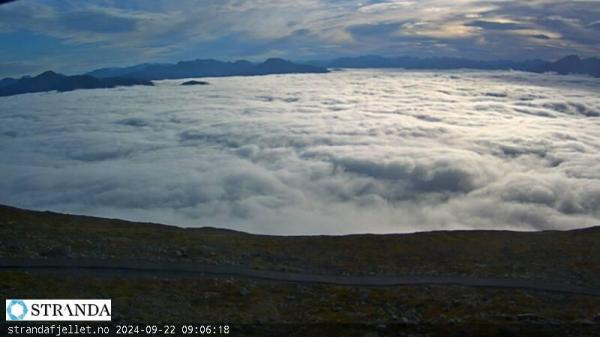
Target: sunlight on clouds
point(537, 32)
point(450, 30)
point(386, 6)
point(168, 31)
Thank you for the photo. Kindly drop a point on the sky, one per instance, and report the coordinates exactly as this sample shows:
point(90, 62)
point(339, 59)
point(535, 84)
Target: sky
point(75, 36)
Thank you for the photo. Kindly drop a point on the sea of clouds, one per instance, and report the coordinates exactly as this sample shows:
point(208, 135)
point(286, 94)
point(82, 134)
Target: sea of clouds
point(345, 152)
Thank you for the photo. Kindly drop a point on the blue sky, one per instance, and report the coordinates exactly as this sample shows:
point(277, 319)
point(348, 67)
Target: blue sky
point(75, 36)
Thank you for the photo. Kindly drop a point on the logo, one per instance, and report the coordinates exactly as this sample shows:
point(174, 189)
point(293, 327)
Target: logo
point(58, 310)
point(16, 310)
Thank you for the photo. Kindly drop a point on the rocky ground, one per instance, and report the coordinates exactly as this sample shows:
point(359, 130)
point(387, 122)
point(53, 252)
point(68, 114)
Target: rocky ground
point(253, 307)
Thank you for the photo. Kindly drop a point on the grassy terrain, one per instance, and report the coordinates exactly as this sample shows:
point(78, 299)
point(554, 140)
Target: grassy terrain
point(567, 257)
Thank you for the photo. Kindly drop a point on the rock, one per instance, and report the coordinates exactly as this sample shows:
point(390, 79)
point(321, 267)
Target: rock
point(530, 317)
point(244, 291)
point(584, 322)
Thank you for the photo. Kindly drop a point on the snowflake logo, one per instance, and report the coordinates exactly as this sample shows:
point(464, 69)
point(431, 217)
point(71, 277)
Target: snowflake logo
point(15, 314)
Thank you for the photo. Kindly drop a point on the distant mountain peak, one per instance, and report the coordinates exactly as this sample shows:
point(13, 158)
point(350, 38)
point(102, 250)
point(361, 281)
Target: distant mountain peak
point(48, 74)
point(275, 60)
point(571, 61)
point(570, 58)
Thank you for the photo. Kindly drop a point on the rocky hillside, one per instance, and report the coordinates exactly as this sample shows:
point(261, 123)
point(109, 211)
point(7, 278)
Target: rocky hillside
point(257, 308)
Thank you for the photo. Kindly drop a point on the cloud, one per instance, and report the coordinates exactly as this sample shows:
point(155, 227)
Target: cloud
point(594, 25)
point(496, 25)
point(450, 171)
point(76, 25)
point(108, 33)
point(98, 22)
point(346, 152)
point(17, 68)
point(377, 30)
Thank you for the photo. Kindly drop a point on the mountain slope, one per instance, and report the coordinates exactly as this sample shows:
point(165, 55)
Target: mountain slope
point(49, 81)
point(569, 257)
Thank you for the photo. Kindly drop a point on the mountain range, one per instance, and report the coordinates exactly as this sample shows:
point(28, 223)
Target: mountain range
point(143, 74)
point(572, 64)
point(49, 80)
point(207, 68)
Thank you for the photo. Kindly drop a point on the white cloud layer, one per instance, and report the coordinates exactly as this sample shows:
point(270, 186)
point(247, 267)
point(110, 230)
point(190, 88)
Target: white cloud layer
point(346, 152)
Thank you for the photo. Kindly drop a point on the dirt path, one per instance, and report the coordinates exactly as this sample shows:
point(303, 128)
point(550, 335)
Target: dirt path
point(110, 268)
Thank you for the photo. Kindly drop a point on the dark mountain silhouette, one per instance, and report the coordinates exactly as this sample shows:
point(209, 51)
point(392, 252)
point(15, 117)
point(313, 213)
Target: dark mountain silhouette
point(49, 81)
point(143, 74)
point(195, 83)
point(119, 72)
point(568, 65)
point(7, 81)
point(574, 65)
point(207, 68)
